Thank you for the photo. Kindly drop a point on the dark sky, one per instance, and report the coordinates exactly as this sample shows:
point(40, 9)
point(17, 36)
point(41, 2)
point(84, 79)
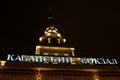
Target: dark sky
point(91, 26)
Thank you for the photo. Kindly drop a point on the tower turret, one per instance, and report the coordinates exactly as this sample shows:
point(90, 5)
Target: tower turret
point(52, 36)
point(53, 39)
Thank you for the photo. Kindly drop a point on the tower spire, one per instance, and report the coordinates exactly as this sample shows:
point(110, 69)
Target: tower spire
point(50, 18)
point(51, 33)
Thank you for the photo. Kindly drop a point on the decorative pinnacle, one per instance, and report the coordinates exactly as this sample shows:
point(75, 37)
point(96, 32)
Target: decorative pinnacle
point(51, 33)
point(50, 18)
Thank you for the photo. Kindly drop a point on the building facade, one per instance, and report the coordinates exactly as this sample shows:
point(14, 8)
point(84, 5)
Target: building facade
point(54, 61)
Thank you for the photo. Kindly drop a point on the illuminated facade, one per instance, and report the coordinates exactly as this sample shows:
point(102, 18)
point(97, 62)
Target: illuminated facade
point(56, 62)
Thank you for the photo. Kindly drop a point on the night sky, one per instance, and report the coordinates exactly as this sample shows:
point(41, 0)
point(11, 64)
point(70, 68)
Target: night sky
point(91, 26)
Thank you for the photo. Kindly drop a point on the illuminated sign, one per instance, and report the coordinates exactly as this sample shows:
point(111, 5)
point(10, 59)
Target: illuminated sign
point(59, 59)
point(98, 61)
point(41, 59)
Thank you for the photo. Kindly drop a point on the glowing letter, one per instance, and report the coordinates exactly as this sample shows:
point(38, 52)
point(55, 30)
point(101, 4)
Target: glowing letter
point(70, 60)
point(45, 59)
point(24, 58)
point(36, 58)
point(53, 60)
point(84, 60)
point(90, 60)
point(96, 60)
point(66, 59)
point(10, 57)
point(40, 57)
point(115, 61)
point(61, 59)
point(102, 61)
point(18, 58)
point(31, 58)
